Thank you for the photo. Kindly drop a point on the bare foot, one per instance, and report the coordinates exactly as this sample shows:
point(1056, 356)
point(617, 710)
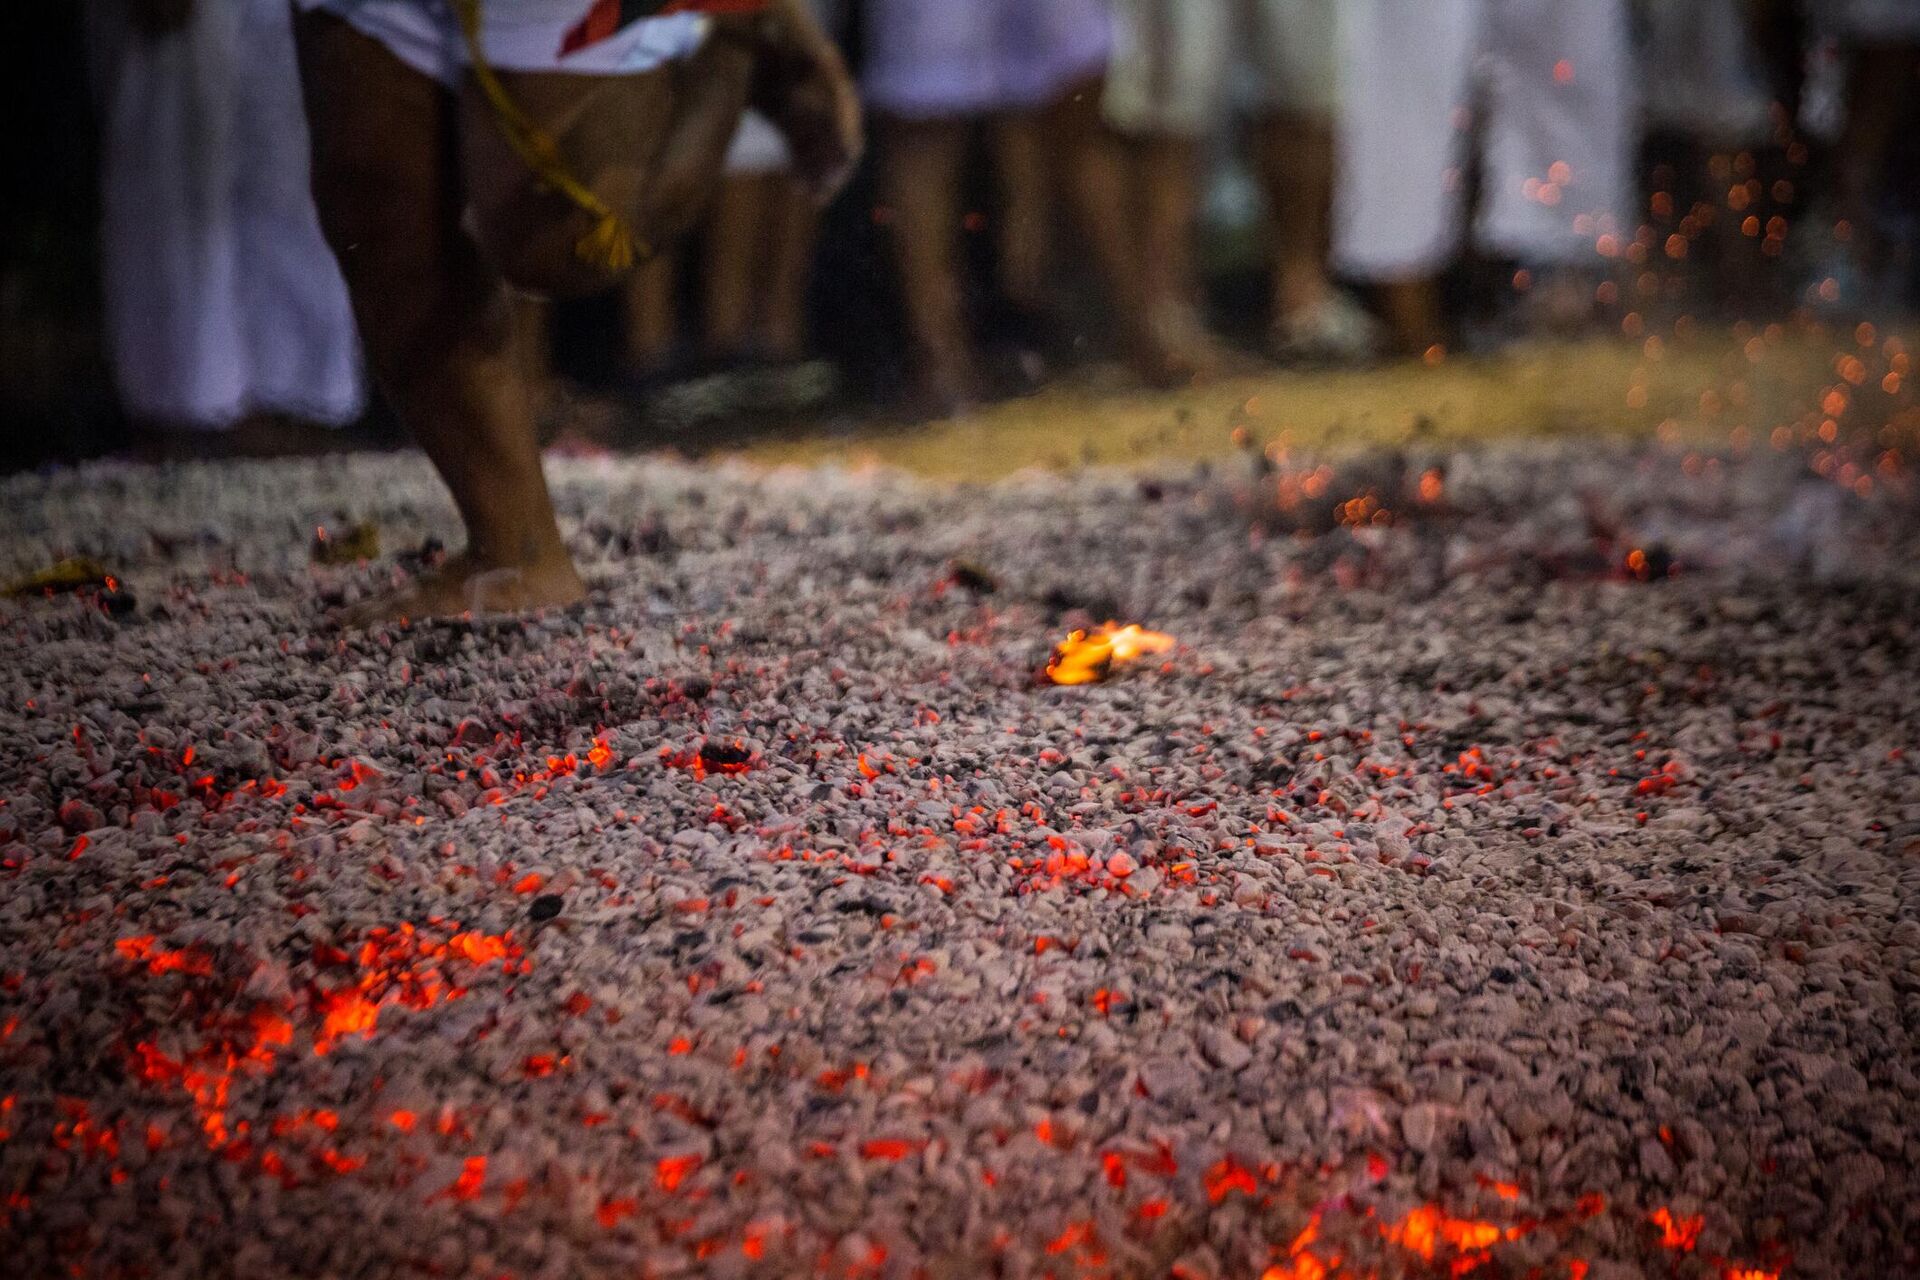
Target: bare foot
point(464, 587)
point(945, 385)
point(1173, 348)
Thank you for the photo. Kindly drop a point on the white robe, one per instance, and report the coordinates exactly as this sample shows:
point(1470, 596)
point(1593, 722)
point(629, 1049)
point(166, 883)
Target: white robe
point(222, 299)
point(1554, 77)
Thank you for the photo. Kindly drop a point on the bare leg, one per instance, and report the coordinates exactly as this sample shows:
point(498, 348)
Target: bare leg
point(1168, 171)
point(735, 232)
point(1412, 309)
point(648, 145)
point(1021, 163)
point(1100, 195)
point(402, 170)
point(433, 309)
point(647, 305)
point(530, 333)
point(795, 224)
point(1882, 82)
point(1296, 161)
point(435, 318)
point(1169, 178)
point(920, 174)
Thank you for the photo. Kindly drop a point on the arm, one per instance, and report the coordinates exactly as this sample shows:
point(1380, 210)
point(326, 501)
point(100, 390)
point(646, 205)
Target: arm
point(801, 83)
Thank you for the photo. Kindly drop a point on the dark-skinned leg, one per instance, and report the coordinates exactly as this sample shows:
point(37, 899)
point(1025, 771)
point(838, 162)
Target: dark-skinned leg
point(1168, 175)
point(795, 230)
point(1412, 312)
point(735, 235)
point(1101, 198)
point(434, 317)
point(1296, 159)
point(402, 171)
point(647, 303)
point(1023, 231)
point(1881, 84)
point(919, 178)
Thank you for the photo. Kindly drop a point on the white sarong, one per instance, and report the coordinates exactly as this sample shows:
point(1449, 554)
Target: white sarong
point(222, 298)
point(1553, 76)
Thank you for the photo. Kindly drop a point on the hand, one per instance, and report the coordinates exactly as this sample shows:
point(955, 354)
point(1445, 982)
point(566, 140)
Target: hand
point(155, 18)
point(801, 83)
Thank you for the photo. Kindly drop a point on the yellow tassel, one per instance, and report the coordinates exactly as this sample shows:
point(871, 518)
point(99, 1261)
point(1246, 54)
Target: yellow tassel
point(608, 246)
point(611, 244)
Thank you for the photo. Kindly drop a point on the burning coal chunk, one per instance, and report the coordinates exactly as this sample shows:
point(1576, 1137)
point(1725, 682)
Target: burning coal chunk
point(725, 757)
point(1090, 656)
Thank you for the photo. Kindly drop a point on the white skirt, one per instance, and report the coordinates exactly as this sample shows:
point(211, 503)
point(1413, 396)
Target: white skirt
point(222, 298)
point(928, 59)
point(1558, 135)
point(1176, 62)
point(520, 35)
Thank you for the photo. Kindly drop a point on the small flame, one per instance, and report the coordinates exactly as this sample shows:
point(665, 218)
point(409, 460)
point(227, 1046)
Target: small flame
point(1086, 657)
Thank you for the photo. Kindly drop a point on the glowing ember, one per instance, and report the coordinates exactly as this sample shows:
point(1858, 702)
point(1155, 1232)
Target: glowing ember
point(1086, 657)
point(1677, 1233)
point(473, 1177)
point(1426, 1228)
point(161, 960)
point(671, 1171)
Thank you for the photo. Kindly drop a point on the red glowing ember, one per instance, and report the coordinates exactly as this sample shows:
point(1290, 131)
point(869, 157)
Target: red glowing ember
point(1086, 657)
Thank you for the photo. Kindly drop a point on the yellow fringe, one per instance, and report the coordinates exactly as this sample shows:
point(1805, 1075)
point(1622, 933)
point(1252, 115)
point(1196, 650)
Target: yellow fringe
point(611, 245)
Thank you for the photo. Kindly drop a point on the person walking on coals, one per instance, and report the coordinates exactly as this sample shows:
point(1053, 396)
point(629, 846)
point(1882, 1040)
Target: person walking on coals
point(462, 146)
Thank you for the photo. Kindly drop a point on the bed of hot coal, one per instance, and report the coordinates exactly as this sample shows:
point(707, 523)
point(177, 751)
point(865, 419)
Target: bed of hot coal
point(1514, 870)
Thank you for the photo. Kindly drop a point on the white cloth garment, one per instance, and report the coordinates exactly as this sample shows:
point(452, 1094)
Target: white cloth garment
point(1174, 61)
point(936, 59)
point(222, 299)
point(519, 35)
point(1553, 77)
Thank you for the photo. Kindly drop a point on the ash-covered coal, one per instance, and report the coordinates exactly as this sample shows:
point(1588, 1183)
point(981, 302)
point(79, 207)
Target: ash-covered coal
point(1455, 898)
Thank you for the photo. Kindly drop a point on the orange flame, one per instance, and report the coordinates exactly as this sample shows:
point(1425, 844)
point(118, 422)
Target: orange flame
point(1086, 657)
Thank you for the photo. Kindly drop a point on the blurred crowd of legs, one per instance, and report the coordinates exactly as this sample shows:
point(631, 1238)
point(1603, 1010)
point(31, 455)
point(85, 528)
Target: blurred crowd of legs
point(1058, 180)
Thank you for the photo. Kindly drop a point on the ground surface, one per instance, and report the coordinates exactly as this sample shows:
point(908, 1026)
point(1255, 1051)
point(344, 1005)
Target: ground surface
point(1522, 881)
point(1688, 382)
